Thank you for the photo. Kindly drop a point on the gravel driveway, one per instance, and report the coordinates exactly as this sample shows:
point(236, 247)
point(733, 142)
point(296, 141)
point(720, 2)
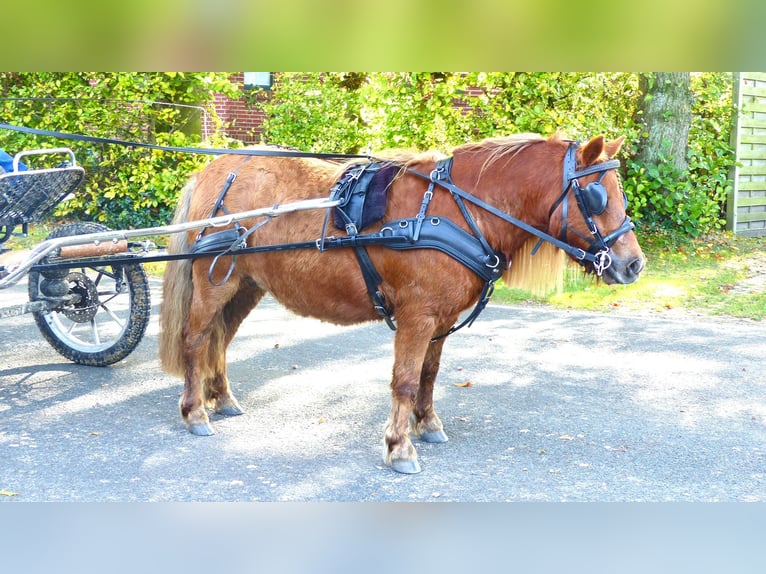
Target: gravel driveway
point(561, 406)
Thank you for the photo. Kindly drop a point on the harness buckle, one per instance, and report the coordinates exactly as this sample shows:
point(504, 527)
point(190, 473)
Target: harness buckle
point(386, 316)
point(320, 242)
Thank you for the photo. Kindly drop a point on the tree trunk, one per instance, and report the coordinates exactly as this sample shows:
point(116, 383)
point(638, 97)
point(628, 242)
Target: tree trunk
point(666, 114)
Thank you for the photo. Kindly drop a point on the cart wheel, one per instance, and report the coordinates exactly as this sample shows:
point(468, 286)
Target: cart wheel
point(109, 319)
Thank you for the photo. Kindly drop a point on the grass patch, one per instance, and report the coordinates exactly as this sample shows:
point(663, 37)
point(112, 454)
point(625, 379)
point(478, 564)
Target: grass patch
point(707, 275)
point(37, 233)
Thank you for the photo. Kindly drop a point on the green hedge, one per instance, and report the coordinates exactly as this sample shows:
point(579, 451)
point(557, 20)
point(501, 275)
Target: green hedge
point(418, 111)
point(361, 112)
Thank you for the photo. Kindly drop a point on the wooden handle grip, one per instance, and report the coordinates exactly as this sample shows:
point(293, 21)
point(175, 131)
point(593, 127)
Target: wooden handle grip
point(94, 250)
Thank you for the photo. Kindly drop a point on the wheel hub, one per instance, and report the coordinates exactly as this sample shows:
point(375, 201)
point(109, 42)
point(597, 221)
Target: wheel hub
point(87, 307)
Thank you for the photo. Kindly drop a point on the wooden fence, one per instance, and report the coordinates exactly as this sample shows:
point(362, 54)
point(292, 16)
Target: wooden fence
point(746, 205)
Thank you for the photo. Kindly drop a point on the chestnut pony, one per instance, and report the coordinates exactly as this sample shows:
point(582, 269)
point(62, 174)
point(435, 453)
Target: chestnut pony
point(510, 188)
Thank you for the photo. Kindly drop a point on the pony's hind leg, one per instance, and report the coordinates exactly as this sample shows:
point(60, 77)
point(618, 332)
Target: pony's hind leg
point(424, 423)
point(218, 395)
point(214, 316)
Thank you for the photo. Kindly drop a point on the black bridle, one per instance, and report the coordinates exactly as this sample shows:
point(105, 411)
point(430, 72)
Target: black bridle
point(597, 254)
point(591, 200)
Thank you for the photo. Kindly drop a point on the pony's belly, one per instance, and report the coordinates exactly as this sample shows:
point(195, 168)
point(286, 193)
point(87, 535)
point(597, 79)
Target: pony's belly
point(326, 286)
point(338, 312)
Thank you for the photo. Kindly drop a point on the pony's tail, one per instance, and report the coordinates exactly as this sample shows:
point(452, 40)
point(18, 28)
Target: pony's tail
point(176, 292)
point(540, 274)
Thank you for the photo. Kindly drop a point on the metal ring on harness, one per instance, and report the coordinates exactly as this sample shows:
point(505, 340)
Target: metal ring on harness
point(238, 244)
point(602, 263)
point(495, 264)
point(211, 270)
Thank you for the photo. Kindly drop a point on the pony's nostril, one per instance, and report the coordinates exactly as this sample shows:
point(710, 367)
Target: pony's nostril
point(636, 266)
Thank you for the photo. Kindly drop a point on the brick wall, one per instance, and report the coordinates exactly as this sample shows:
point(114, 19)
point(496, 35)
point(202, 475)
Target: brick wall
point(245, 122)
point(241, 121)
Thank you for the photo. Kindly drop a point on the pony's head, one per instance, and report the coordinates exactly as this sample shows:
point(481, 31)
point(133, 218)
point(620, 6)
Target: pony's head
point(590, 212)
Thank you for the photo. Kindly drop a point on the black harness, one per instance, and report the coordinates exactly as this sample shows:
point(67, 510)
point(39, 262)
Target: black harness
point(432, 232)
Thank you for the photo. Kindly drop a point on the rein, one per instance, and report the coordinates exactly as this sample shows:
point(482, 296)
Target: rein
point(277, 152)
point(597, 259)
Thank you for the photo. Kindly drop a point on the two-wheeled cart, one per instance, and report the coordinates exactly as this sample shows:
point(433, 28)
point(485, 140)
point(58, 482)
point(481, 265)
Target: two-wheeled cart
point(92, 312)
point(88, 290)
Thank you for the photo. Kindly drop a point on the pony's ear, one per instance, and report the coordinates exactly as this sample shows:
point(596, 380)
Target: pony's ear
point(613, 147)
point(591, 151)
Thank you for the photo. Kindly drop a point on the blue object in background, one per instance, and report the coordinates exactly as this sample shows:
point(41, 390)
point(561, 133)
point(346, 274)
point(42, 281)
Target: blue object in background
point(6, 162)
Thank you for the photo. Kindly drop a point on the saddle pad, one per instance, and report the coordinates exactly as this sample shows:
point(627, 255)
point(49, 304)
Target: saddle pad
point(363, 192)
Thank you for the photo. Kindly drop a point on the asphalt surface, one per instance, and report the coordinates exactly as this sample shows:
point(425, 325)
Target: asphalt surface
point(562, 406)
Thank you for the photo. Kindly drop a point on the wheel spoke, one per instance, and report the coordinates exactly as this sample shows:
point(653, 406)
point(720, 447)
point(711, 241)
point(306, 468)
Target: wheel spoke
point(113, 316)
point(69, 330)
point(104, 301)
point(94, 330)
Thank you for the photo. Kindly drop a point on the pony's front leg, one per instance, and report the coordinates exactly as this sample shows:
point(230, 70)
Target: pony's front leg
point(424, 422)
point(410, 348)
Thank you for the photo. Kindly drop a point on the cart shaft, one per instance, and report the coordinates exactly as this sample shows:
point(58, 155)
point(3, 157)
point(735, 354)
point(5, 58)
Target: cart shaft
point(49, 246)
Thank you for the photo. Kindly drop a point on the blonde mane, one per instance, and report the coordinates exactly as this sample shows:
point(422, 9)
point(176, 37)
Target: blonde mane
point(496, 147)
point(544, 273)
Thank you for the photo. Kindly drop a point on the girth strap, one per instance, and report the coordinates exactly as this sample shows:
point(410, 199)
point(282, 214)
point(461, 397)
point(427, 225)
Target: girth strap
point(372, 280)
point(370, 275)
point(486, 295)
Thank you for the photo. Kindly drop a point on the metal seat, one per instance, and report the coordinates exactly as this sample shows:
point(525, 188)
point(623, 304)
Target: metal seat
point(28, 196)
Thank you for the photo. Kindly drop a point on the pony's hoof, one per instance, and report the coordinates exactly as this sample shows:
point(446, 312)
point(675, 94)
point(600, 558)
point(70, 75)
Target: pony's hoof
point(230, 411)
point(434, 436)
point(406, 466)
point(201, 429)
